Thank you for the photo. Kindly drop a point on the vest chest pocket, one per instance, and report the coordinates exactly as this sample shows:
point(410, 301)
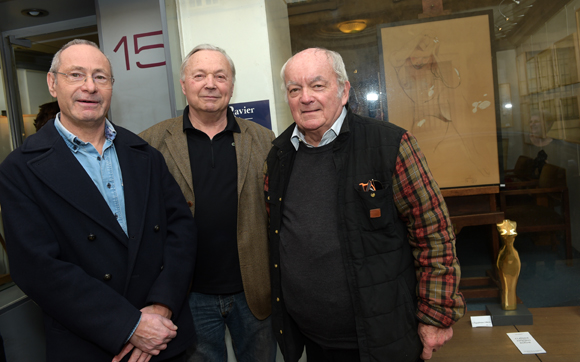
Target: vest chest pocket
point(376, 206)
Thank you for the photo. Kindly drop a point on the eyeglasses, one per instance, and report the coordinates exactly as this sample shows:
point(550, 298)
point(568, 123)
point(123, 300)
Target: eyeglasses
point(100, 80)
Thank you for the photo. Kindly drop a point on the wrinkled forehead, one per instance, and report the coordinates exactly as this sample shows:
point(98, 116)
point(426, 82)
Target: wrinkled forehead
point(309, 67)
point(208, 60)
point(84, 57)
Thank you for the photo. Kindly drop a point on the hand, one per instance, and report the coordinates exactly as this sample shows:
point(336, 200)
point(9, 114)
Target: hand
point(158, 308)
point(136, 356)
point(153, 333)
point(433, 338)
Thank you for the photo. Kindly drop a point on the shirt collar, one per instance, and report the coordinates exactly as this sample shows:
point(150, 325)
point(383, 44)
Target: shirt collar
point(73, 142)
point(231, 126)
point(328, 136)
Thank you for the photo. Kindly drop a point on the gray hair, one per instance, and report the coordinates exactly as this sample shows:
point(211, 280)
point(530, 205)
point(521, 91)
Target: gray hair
point(207, 47)
point(337, 65)
point(55, 65)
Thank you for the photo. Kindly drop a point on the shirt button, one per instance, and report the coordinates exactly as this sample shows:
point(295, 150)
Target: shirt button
point(91, 237)
point(116, 216)
point(189, 203)
point(268, 197)
point(277, 299)
point(276, 231)
point(156, 228)
point(280, 331)
point(98, 158)
point(280, 199)
point(109, 185)
point(107, 277)
point(275, 265)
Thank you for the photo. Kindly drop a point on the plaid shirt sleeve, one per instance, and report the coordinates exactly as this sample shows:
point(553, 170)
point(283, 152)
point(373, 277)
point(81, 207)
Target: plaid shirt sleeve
point(422, 208)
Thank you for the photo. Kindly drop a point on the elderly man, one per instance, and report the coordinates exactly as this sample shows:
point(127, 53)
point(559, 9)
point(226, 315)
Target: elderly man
point(221, 157)
point(98, 232)
point(363, 257)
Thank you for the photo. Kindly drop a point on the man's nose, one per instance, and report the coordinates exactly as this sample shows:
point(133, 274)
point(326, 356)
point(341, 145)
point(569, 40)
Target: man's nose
point(89, 84)
point(306, 96)
point(210, 81)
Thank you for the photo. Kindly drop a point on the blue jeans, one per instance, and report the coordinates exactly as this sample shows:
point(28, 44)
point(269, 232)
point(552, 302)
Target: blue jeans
point(252, 339)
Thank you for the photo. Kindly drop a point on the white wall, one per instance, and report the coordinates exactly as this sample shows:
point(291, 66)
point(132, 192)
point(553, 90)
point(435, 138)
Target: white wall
point(255, 34)
point(33, 90)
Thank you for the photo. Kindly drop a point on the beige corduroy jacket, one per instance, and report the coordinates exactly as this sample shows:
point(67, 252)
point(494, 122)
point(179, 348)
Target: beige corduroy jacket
point(252, 146)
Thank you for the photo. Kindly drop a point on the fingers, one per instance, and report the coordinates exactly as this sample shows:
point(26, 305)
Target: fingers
point(128, 347)
point(427, 353)
point(169, 324)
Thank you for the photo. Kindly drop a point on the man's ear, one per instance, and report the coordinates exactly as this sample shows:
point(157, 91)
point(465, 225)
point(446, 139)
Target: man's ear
point(182, 87)
point(51, 81)
point(345, 92)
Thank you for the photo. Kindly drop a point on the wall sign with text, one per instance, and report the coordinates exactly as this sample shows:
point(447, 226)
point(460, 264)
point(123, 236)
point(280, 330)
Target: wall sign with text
point(258, 111)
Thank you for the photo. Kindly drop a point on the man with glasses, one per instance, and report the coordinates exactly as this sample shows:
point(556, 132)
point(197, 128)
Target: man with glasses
point(97, 230)
point(221, 157)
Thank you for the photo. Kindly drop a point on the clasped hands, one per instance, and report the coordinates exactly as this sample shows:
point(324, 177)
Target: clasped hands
point(154, 332)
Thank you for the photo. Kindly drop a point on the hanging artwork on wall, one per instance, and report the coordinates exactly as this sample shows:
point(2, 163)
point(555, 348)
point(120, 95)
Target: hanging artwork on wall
point(440, 85)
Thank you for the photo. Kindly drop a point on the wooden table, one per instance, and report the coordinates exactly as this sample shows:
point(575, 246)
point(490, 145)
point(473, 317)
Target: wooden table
point(556, 329)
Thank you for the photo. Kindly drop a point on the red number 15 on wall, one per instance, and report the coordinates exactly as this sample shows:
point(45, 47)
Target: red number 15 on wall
point(138, 49)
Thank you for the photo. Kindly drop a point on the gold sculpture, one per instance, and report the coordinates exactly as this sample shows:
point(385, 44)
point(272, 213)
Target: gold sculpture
point(508, 265)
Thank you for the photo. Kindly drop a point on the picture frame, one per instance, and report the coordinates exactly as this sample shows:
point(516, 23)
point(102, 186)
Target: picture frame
point(570, 118)
point(566, 60)
point(546, 70)
point(440, 84)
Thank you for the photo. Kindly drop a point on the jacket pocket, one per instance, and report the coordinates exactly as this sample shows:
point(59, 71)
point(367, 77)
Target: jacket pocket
point(376, 206)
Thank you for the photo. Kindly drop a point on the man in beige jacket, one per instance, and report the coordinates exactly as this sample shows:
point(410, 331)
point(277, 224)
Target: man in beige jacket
point(222, 157)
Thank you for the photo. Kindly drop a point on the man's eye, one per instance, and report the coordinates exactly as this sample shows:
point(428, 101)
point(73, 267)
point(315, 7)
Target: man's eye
point(100, 77)
point(292, 90)
point(198, 76)
point(76, 75)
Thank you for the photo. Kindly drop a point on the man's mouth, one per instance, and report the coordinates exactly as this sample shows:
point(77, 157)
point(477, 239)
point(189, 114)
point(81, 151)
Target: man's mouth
point(87, 101)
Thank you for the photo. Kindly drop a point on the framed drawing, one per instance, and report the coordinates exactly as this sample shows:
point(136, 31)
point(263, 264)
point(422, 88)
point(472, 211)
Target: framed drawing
point(566, 60)
point(440, 84)
point(532, 73)
point(551, 123)
point(522, 74)
point(546, 70)
point(570, 115)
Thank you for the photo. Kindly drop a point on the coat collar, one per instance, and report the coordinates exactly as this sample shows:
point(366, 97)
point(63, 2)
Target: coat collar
point(58, 168)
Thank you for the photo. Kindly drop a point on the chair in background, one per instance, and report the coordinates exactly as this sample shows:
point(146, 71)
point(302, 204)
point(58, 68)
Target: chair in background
point(523, 170)
point(543, 208)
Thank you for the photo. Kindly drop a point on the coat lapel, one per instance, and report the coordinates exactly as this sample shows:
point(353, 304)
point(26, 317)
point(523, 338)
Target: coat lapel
point(243, 154)
point(177, 146)
point(136, 171)
point(60, 170)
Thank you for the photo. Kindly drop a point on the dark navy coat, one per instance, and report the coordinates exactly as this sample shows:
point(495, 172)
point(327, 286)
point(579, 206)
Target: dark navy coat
point(69, 254)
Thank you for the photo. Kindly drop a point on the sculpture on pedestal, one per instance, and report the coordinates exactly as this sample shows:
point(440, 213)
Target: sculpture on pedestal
point(508, 265)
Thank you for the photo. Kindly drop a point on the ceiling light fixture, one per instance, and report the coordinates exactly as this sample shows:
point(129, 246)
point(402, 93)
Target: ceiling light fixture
point(34, 13)
point(352, 26)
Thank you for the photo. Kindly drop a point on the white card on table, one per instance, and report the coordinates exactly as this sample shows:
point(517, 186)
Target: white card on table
point(526, 343)
point(481, 321)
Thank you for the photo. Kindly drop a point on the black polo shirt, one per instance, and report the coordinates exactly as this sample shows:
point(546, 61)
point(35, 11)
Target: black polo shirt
point(214, 170)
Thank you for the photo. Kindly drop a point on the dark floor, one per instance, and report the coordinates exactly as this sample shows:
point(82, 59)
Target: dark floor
point(545, 279)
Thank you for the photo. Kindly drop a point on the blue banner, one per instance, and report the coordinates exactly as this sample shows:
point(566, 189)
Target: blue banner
point(258, 111)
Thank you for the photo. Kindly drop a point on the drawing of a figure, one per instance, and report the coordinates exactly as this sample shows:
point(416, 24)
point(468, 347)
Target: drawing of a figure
point(433, 86)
